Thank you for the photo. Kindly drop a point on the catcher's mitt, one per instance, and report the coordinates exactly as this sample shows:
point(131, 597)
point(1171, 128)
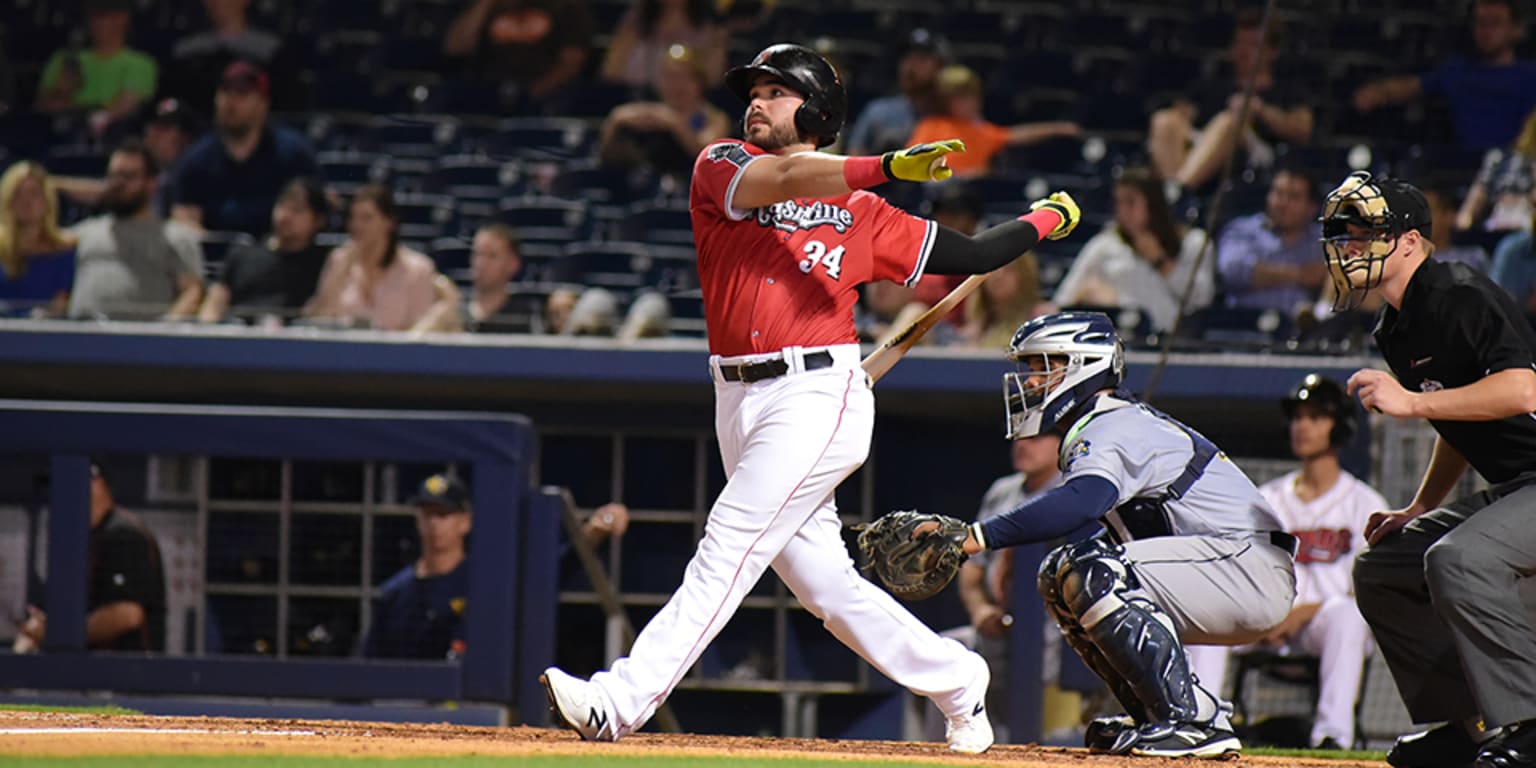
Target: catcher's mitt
point(913, 566)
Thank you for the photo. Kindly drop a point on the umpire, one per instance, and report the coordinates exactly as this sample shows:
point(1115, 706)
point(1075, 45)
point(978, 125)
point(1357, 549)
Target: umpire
point(1439, 584)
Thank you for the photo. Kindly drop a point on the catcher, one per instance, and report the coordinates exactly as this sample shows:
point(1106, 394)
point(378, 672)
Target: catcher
point(1190, 552)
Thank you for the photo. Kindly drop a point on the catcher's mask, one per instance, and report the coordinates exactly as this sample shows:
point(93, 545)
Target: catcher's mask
point(1062, 360)
point(805, 71)
point(1363, 219)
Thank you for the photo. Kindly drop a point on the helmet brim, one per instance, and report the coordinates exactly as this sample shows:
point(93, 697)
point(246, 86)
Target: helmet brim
point(739, 80)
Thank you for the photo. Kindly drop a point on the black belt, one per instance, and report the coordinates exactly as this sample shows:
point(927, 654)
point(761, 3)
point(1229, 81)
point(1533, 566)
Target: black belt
point(772, 369)
point(1284, 541)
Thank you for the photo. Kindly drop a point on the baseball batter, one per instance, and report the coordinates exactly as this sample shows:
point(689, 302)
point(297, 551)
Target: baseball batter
point(1440, 584)
point(1325, 508)
point(1191, 553)
point(785, 236)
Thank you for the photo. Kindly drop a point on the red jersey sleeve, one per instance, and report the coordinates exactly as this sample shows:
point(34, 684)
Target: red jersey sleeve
point(716, 173)
point(900, 242)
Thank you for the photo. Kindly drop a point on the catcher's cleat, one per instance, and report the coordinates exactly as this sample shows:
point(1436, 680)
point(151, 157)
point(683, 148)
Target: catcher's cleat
point(579, 704)
point(1103, 734)
point(1204, 740)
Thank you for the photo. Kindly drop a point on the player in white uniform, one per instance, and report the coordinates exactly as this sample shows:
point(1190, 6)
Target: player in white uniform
point(1191, 551)
point(1325, 508)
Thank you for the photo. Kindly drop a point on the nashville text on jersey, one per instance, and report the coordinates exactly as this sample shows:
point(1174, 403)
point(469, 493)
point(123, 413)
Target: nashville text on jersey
point(790, 215)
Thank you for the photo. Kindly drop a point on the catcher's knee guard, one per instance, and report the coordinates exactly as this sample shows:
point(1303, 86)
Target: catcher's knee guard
point(1133, 635)
point(1049, 583)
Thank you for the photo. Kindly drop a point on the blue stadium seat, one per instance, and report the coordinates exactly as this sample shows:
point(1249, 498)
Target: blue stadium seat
point(545, 219)
point(354, 167)
point(426, 216)
point(76, 160)
point(216, 247)
point(614, 265)
point(657, 223)
point(597, 184)
point(419, 136)
point(541, 138)
point(451, 254)
point(1230, 328)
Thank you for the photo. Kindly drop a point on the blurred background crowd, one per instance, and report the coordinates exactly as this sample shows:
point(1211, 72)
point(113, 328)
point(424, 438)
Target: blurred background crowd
point(521, 166)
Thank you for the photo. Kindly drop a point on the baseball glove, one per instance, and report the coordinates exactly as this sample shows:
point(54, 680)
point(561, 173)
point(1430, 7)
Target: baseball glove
point(913, 565)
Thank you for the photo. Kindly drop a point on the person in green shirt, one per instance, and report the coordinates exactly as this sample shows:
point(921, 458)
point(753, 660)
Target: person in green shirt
point(108, 78)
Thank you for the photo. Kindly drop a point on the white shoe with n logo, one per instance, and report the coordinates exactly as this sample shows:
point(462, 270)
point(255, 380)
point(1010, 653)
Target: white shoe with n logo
point(579, 704)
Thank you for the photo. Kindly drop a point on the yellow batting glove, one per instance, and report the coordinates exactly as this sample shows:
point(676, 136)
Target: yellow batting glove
point(1063, 204)
point(921, 162)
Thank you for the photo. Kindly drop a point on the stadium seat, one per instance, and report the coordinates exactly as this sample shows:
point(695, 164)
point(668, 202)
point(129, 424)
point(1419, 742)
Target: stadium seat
point(613, 265)
point(1228, 328)
point(545, 219)
point(541, 138)
point(354, 167)
point(450, 254)
point(664, 223)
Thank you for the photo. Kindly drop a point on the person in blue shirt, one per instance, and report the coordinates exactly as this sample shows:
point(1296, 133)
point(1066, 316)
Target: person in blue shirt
point(230, 179)
point(419, 612)
point(37, 259)
point(1268, 260)
point(1489, 96)
point(886, 122)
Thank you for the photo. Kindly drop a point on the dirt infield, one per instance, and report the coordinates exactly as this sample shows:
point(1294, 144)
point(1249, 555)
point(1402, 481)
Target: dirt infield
point(62, 734)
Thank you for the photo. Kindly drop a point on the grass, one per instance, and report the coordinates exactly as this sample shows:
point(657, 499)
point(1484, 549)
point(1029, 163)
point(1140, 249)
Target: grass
point(524, 761)
point(102, 710)
point(1319, 754)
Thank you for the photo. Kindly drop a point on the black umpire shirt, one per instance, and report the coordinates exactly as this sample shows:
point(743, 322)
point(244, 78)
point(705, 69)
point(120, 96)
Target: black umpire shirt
point(1455, 327)
point(125, 567)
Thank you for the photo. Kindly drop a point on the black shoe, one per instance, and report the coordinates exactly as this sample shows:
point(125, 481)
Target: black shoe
point(1444, 746)
point(1202, 740)
point(1328, 742)
point(1515, 748)
point(1103, 733)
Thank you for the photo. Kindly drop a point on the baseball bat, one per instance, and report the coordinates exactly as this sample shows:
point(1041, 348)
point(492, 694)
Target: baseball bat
point(883, 359)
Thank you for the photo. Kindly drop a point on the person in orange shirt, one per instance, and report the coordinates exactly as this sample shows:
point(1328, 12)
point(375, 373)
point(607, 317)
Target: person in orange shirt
point(959, 91)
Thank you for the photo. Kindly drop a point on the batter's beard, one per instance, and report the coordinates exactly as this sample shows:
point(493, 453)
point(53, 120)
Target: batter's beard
point(779, 137)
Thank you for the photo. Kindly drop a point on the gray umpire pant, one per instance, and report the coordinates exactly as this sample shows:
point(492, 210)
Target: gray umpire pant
point(1443, 598)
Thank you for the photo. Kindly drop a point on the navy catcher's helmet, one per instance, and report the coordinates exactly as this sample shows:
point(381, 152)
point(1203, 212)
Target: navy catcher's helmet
point(1080, 353)
point(1326, 395)
point(804, 70)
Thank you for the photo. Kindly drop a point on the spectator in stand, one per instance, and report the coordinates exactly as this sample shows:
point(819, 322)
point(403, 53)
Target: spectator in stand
point(1442, 214)
point(538, 46)
point(959, 92)
point(594, 311)
point(279, 276)
point(230, 178)
point(1269, 260)
point(1489, 95)
point(494, 262)
point(669, 134)
point(959, 206)
point(886, 122)
point(1503, 186)
point(651, 29)
point(171, 128)
point(37, 260)
point(1192, 153)
point(1142, 259)
point(419, 613)
point(199, 57)
point(109, 79)
point(125, 582)
point(1009, 298)
point(1514, 269)
point(373, 280)
point(130, 263)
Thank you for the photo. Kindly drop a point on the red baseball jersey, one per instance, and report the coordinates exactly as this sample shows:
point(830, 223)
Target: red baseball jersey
point(788, 274)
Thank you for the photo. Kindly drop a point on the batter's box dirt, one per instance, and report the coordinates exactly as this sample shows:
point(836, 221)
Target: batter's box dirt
point(65, 734)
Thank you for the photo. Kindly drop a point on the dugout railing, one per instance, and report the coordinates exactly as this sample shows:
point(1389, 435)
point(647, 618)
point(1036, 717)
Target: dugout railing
point(509, 631)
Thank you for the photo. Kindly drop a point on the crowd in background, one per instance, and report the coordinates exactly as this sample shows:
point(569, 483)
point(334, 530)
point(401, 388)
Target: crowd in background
point(522, 165)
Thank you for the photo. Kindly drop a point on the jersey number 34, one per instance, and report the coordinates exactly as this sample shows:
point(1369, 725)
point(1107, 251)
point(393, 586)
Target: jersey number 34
point(816, 253)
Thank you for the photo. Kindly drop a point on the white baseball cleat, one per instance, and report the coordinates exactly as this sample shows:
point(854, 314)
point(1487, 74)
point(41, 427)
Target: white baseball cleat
point(580, 705)
point(970, 731)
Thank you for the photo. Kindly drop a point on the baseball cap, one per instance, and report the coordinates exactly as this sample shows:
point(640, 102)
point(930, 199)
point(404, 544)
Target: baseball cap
point(1408, 206)
point(926, 41)
point(441, 491)
point(245, 76)
point(176, 113)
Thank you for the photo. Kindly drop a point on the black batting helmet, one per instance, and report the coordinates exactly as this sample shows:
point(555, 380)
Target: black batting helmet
point(804, 70)
point(1325, 394)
